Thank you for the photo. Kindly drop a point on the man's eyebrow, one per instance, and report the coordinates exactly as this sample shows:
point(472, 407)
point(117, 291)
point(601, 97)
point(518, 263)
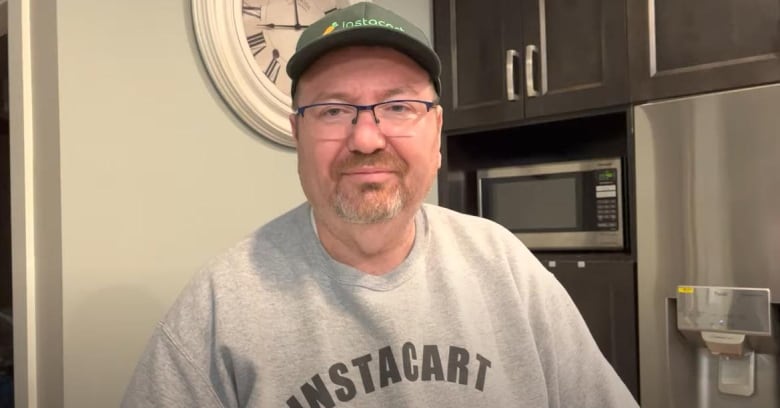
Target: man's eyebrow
point(397, 91)
point(329, 96)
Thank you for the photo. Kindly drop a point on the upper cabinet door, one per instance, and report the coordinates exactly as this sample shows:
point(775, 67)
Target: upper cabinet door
point(578, 54)
point(694, 46)
point(480, 46)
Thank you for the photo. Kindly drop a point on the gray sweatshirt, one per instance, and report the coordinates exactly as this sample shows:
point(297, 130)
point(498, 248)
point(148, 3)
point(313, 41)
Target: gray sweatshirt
point(469, 319)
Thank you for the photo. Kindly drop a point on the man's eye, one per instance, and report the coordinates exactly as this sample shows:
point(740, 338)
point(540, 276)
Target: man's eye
point(334, 111)
point(398, 107)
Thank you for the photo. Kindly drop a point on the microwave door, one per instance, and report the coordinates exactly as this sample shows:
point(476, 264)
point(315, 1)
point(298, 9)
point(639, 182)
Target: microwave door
point(573, 209)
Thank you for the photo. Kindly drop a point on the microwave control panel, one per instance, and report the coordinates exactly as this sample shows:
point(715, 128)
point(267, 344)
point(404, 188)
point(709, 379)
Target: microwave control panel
point(606, 193)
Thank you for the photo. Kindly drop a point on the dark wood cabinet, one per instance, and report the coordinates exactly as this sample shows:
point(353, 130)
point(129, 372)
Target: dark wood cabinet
point(507, 61)
point(473, 39)
point(689, 47)
point(582, 62)
point(604, 292)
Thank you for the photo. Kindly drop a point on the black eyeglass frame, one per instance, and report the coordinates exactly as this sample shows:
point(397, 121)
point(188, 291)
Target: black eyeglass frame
point(428, 106)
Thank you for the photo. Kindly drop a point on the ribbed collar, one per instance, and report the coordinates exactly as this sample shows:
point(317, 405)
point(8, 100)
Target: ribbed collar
point(346, 275)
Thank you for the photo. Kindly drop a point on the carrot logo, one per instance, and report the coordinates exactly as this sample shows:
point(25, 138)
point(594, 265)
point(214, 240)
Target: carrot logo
point(330, 28)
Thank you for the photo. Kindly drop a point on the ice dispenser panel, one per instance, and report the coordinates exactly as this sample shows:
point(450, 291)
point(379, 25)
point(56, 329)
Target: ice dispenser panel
point(727, 319)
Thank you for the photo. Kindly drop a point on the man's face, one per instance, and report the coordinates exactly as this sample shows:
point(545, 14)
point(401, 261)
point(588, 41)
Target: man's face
point(359, 172)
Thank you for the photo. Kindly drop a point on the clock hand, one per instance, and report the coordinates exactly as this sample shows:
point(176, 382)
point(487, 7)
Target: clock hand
point(297, 22)
point(272, 25)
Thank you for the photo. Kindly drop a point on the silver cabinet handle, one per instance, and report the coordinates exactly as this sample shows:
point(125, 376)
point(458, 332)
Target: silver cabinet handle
point(529, 71)
point(511, 55)
point(543, 46)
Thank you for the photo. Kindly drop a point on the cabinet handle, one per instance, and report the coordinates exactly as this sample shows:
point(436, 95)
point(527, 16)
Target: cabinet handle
point(530, 89)
point(511, 93)
point(542, 50)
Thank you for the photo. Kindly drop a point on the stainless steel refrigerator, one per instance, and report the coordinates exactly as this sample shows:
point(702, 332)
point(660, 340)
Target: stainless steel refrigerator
point(708, 247)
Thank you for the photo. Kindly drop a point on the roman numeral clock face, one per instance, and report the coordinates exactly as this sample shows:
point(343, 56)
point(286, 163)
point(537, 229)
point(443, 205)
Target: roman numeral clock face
point(245, 46)
point(272, 28)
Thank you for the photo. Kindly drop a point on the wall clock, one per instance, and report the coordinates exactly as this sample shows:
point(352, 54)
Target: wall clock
point(245, 46)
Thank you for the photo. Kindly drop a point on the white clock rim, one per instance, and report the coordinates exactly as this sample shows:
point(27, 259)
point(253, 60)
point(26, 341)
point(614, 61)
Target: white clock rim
point(216, 31)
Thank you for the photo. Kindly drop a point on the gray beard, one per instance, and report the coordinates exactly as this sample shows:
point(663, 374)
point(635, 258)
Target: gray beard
point(364, 212)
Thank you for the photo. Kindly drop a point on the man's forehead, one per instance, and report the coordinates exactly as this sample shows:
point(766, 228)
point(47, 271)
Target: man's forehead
point(403, 76)
point(362, 55)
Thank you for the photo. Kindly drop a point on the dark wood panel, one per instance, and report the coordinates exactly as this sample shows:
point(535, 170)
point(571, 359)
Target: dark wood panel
point(698, 32)
point(605, 294)
point(5, 182)
point(478, 68)
point(472, 39)
point(688, 47)
point(582, 54)
point(575, 48)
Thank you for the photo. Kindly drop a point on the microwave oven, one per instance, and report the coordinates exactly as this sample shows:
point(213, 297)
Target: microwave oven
point(574, 205)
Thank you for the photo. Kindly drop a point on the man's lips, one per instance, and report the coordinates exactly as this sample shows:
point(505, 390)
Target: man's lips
point(367, 170)
point(368, 174)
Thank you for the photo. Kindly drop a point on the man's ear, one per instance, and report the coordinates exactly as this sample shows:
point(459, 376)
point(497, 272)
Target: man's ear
point(439, 124)
point(294, 125)
point(439, 117)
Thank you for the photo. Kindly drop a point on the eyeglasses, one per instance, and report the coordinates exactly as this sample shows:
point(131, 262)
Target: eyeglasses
point(393, 118)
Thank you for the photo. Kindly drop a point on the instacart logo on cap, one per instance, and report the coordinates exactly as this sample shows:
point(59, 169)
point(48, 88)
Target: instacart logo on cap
point(360, 23)
point(330, 28)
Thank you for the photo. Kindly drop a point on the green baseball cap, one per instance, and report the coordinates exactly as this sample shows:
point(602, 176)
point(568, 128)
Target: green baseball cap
point(363, 24)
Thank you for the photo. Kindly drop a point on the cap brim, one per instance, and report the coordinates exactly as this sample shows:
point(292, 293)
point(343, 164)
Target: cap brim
point(369, 36)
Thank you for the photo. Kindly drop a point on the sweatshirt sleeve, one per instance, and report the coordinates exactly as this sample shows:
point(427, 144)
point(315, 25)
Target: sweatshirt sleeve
point(576, 372)
point(166, 377)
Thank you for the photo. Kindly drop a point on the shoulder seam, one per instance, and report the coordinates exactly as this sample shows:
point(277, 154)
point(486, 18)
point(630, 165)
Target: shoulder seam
point(170, 337)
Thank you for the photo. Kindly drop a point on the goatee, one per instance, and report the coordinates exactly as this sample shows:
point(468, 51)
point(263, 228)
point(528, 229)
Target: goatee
point(371, 203)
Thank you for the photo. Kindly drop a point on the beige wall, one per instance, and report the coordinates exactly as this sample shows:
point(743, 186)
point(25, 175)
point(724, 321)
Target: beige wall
point(129, 172)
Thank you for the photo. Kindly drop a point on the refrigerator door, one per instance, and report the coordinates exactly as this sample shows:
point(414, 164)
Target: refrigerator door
point(708, 214)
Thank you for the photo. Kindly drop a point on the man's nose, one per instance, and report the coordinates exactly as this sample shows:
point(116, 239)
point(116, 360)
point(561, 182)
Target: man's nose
point(366, 136)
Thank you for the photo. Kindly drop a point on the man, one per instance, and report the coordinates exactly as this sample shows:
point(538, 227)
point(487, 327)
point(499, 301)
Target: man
point(363, 296)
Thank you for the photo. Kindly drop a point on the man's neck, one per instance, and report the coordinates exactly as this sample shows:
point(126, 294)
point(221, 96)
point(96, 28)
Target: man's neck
point(371, 248)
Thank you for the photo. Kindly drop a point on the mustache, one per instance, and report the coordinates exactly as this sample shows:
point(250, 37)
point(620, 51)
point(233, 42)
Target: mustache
point(382, 159)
